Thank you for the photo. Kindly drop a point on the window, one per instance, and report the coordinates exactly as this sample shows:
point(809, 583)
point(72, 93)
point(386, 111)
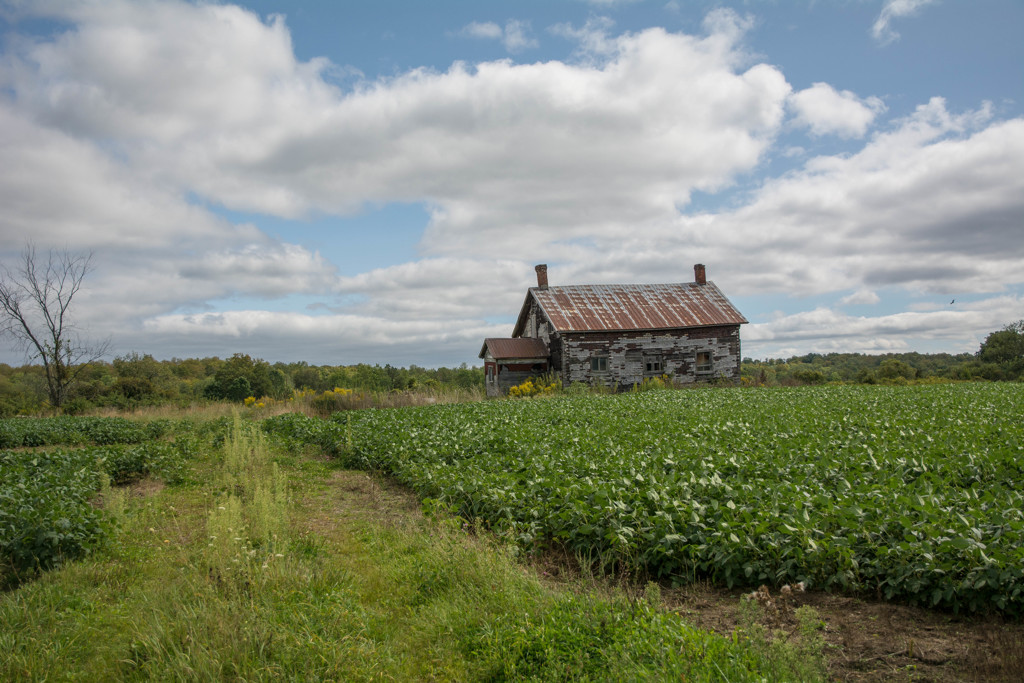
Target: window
point(703, 361)
point(599, 364)
point(652, 365)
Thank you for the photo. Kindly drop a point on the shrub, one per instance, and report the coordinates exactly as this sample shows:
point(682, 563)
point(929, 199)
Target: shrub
point(537, 386)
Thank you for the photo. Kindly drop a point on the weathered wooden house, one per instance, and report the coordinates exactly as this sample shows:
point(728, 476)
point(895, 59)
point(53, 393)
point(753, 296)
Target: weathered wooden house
point(618, 335)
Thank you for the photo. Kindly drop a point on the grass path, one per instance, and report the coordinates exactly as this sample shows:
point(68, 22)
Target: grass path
point(271, 566)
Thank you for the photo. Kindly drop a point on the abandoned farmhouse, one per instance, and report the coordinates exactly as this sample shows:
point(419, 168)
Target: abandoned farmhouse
point(618, 335)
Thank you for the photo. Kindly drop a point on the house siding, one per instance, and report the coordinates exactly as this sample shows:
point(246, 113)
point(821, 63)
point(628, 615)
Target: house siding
point(628, 352)
point(541, 328)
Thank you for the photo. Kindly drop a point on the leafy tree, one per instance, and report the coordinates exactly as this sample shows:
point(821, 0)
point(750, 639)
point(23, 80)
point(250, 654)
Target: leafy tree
point(135, 364)
point(35, 310)
point(1004, 346)
point(239, 377)
point(891, 369)
point(308, 378)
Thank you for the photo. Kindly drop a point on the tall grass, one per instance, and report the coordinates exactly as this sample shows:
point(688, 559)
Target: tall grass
point(265, 565)
point(309, 403)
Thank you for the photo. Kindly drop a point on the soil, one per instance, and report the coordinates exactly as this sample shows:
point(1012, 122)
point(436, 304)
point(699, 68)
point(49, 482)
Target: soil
point(866, 640)
point(876, 641)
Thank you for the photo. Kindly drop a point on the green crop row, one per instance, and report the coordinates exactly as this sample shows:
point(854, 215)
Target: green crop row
point(68, 430)
point(46, 510)
point(909, 493)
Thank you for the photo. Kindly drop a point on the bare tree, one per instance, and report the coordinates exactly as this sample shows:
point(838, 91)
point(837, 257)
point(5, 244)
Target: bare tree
point(35, 304)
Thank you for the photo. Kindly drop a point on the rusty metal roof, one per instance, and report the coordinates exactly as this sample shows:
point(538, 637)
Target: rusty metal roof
point(598, 308)
point(526, 348)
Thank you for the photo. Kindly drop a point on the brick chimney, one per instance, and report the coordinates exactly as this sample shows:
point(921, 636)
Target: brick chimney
point(542, 275)
point(698, 274)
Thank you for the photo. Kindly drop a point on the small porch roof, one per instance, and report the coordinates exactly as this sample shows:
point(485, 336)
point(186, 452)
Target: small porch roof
point(519, 348)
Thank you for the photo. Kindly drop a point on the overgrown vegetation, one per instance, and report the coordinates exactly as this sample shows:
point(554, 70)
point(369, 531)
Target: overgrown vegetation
point(907, 493)
point(47, 510)
point(68, 430)
point(254, 565)
point(135, 380)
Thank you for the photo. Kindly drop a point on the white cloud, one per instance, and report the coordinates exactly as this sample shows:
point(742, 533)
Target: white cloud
point(826, 111)
point(487, 29)
point(441, 288)
point(861, 297)
point(934, 205)
point(264, 270)
point(515, 36)
point(153, 251)
point(881, 30)
point(324, 339)
point(61, 190)
point(625, 135)
point(824, 330)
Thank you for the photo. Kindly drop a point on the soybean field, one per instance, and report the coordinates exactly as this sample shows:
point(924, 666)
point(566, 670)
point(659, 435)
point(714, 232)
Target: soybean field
point(912, 493)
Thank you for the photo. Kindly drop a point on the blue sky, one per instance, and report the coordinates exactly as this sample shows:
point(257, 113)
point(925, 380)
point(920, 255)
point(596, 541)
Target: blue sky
point(344, 182)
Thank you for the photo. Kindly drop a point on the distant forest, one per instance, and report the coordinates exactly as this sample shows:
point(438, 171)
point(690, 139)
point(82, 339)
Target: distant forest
point(816, 368)
point(1000, 358)
point(137, 380)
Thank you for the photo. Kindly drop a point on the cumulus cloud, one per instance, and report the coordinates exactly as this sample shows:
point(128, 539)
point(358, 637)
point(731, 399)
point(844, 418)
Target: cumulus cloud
point(486, 29)
point(893, 9)
point(860, 298)
point(932, 206)
point(62, 190)
point(442, 287)
point(825, 330)
point(515, 36)
point(825, 111)
point(265, 270)
point(625, 135)
point(325, 339)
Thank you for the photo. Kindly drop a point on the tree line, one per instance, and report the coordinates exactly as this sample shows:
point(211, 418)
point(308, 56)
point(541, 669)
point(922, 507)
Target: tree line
point(1000, 358)
point(136, 380)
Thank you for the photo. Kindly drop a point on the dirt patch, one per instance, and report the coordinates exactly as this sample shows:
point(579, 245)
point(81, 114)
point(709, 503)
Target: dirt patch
point(360, 496)
point(875, 641)
point(867, 641)
point(143, 488)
